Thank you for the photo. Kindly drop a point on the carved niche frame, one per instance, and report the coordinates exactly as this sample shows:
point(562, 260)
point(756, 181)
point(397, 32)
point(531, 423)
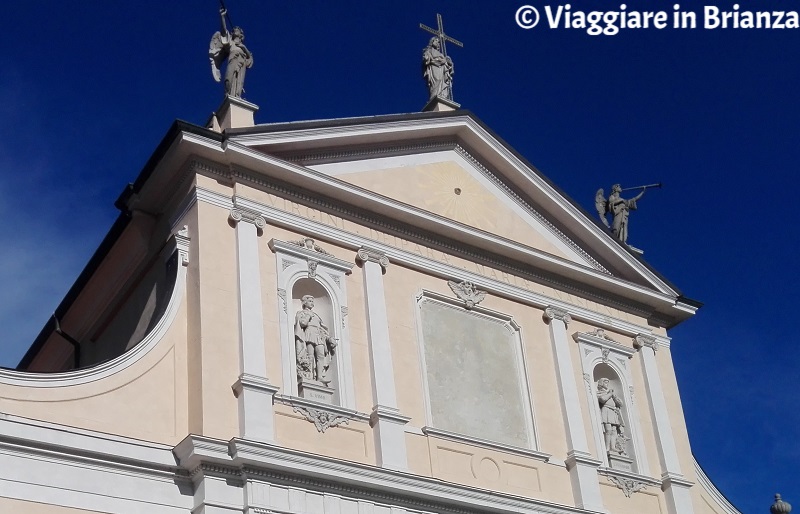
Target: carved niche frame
point(526, 397)
point(597, 348)
point(304, 259)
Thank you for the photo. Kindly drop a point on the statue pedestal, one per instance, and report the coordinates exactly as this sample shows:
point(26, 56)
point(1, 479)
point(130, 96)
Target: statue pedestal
point(314, 390)
point(437, 103)
point(620, 462)
point(233, 113)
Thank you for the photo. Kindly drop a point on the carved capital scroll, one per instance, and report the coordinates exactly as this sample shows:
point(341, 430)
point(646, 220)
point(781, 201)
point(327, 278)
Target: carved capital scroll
point(366, 254)
point(238, 214)
point(643, 340)
point(552, 313)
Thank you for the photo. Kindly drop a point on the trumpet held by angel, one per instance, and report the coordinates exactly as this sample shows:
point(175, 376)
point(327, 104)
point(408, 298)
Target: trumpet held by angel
point(229, 46)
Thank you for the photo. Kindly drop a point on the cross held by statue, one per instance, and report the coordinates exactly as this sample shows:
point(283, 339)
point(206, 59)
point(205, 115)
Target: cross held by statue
point(441, 34)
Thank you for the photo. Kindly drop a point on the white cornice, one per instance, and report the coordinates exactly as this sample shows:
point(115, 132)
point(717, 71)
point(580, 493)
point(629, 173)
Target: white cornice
point(711, 490)
point(305, 470)
point(430, 266)
point(456, 125)
point(427, 221)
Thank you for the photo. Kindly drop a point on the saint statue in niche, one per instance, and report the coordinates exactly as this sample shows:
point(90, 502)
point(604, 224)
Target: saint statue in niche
point(314, 346)
point(611, 417)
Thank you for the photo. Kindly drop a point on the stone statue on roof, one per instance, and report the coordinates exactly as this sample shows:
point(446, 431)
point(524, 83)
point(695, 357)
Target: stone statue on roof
point(226, 45)
point(437, 67)
point(619, 208)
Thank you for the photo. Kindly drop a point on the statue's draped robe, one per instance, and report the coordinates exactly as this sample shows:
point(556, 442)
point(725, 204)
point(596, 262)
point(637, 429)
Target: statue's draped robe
point(239, 59)
point(435, 72)
point(620, 208)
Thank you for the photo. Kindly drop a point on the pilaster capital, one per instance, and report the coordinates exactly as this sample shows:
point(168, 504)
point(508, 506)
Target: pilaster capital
point(644, 340)
point(367, 254)
point(551, 313)
point(238, 214)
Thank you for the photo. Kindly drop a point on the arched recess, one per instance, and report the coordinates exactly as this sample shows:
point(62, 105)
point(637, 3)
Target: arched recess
point(177, 250)
point(602, 357)
point(304, 268)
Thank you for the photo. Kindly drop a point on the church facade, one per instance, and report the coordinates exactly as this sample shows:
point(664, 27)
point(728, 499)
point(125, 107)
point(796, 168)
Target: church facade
point(383, 315)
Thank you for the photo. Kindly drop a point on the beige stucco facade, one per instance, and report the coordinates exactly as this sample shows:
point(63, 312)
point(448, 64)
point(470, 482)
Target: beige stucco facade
point(203, 414)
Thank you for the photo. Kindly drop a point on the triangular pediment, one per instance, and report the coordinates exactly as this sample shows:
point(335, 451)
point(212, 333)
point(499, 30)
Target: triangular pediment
point(451, 184)
point(447, 179)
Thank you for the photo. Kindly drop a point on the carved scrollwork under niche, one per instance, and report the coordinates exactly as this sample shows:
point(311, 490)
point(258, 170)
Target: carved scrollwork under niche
point(309, 244)
point(322, 420)
point(628, 486)
point(467, 292)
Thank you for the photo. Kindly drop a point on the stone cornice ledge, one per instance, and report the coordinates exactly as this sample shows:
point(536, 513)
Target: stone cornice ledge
point(575, 457)
point(360, 480)
point(668, 479)
point(483, 443)
point(598, 339)
point(279, 246)
point(296, 401)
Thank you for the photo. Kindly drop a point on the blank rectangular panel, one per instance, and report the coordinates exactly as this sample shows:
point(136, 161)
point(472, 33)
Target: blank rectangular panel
point(472, 365)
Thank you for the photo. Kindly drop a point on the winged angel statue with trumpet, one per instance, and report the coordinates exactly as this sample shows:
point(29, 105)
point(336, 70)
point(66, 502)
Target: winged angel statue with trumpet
point(230, 46)
point(619, 208)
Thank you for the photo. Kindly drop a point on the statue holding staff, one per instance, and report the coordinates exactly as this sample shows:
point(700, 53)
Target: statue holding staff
point(230, 46)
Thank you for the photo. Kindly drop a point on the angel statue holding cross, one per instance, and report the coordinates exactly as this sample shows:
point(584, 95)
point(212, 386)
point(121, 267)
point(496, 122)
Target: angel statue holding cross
point(230, 46)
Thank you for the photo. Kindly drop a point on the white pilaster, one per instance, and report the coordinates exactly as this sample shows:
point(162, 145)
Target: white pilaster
point(580, 463)
point(254, 392)
point(675, 487)
point(386, 420)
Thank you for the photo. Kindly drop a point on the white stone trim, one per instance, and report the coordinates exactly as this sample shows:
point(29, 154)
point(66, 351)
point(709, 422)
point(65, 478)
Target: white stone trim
point(293, 263)
point(581, 465)
point(483, 443)
point(81, 469)
point(442, 270)
point(521, 361)
point(721, 501)
point(595, 348)
point(252, 389)
point(351, 194)
point(179, 242)
point(675, 487)
point(471, 132)
point(387, 422)
point(376, 489)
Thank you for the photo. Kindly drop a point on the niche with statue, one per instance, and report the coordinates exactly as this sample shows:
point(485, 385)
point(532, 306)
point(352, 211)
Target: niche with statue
point(314, 333)
point(614, 418)
point(315, 341)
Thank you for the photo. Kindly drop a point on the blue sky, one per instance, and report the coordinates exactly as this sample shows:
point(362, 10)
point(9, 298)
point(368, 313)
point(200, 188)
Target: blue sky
point(89, 88)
